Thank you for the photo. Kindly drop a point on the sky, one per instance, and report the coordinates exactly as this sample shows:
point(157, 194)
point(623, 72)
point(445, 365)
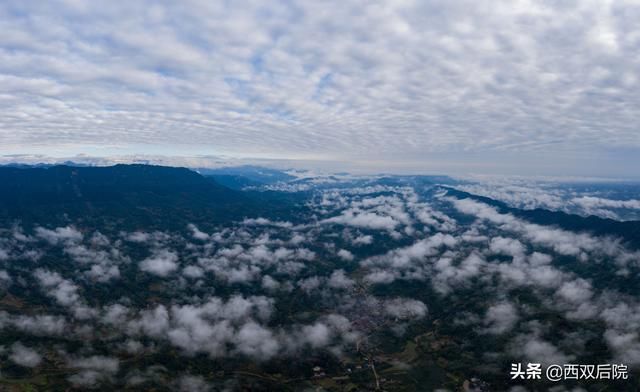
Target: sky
point(507, 87)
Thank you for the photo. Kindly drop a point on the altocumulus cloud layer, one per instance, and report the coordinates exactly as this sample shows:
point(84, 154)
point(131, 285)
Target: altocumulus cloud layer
point(453, 81)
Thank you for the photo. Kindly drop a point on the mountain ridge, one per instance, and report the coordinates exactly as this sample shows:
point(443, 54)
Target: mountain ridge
point(628, 230)
point(145, 192)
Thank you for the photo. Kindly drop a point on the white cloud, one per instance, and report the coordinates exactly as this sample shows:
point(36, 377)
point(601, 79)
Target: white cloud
point(93, 369)
point(5, 279)
point(364, 219)
point(567, 243)
point(197, 234)
point(161, 263)
point(193, 272)
point(537, 350)
point(268, 283)
point(63, 290)
point(266, 222)
point(596, 202)
point(508, 246)
point(317, 335)
point(257, 341)
point(104, 273)
point(60, 234)
point(501, 317)
point(626, 346)
point(571, 195)
point(378, 87)
point(24, 356)
point(404, 308)
point(38, 325)
point(416, 260)
point(311, 284)
point(363, 240)
point(338, 280)
point(191, 383)
point(345, 255)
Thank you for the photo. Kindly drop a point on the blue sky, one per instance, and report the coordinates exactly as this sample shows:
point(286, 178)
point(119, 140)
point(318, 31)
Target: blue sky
point(512, 87)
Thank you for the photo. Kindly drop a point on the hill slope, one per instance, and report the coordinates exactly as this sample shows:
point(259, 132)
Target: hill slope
point(134, 194)
point(628, 230)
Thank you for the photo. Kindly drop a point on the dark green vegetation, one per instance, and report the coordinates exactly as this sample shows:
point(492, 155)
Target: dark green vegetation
point(128, 197)
point(137, 277)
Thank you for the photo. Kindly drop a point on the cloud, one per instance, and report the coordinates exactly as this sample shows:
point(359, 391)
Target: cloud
point(232, 327)
point(197, 234)
point(317, 335)
point(191, 383)
point(5, 279)
point(338, 280)
point(311, 284)
point(607, 208)
point(329, 329)
point(95, 252)
point(404, 308)
point(138, 236)
point(161, 263)
point(152, 373)
point(266, 222)
point(577, 291)
point(153, 322)
point(243, 256)
point(270, 284)
point(413, 261)
point(571, 195)
point(567, 243)
point(378, 87)
point(440, 262)
point(24, 356)
point(380, 277)
point(366, 220)
point(363, 240)
point(256, 341)
point(64, 291)
point(209, 327)
point(38, 325)
point(501, 318)
point(626, 346)
point(103, 273)
point(93, 370)
point(597, 202)
point(193, 271)
point(58, 235)
point(507, 246)
point(345, 255)
point(538, 350)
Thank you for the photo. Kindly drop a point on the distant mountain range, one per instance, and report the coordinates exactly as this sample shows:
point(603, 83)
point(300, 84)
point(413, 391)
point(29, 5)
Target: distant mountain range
point(136, 193)
point(628, 230)
point(44, 165)
point(144, 194)
point(240, 177)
